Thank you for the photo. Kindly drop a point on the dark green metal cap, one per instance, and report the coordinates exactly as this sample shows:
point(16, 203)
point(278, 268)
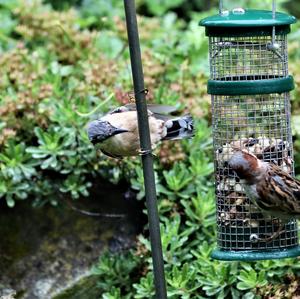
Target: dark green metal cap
point(248, 85)
point(251, 22)
point(251, 18)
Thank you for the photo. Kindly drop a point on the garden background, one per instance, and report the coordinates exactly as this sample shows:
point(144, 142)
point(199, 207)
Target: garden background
point(59, 60)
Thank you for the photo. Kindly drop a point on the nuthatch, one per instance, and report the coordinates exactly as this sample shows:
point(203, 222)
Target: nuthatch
point(116, 133)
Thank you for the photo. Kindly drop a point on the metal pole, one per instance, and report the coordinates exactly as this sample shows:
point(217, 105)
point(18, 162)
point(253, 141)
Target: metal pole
point(147, 158)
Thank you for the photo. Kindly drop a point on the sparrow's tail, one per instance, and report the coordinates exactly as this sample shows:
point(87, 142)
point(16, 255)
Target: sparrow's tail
point(178, 128)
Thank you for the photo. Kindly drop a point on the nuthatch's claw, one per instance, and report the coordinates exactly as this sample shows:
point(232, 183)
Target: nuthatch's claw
point(145, 152)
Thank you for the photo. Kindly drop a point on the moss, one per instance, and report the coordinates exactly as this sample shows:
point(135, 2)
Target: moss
point(83, 289)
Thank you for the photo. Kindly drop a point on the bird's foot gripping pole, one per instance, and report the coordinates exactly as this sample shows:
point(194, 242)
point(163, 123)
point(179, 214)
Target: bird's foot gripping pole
point(145, 152)
point(132, 95)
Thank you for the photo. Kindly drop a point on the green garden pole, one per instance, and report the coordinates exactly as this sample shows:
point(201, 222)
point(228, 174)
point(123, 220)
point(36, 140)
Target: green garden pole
point(147, 158)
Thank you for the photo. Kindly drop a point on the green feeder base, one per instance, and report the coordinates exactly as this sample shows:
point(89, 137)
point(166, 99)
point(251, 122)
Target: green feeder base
point(255, 255)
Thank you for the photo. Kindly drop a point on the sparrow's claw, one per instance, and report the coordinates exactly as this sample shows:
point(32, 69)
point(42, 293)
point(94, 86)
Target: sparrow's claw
point(273, 236)
point(254, 238)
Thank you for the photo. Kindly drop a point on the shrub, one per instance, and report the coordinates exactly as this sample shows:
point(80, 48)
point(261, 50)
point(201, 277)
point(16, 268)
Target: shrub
point(60, 68)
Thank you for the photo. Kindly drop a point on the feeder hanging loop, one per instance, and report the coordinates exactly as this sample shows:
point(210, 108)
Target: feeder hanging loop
point(274, 17)
point(273, 46)
point(220, 7)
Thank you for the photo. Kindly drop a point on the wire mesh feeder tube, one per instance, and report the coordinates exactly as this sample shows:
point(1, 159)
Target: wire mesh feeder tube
point(249, 87)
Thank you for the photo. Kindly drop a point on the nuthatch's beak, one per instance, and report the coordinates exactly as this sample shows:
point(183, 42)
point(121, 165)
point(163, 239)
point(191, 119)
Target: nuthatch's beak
point(99, 131)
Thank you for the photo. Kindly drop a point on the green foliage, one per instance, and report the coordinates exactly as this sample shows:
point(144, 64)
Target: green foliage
point(160, 7)
point(53, 147)
point(12, 190)
point(63, 4)
point(75, 185)
point(17, 168)
point(218, 282)
point(114, 293)
point(177, 178)
point(250, 279)
point(186, 199)
point(101, 8)
point(200, 210)
point(57, 66)
point(15, 163)
point(145, 288)
point(182, 282)
point(173, 241)
point(114, 271)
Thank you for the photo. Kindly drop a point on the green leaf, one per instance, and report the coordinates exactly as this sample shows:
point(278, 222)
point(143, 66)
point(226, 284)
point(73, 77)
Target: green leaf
point(10, 202)
point(249, 295)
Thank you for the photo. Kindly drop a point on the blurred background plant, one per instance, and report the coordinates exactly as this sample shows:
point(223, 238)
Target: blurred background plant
point(59, 60)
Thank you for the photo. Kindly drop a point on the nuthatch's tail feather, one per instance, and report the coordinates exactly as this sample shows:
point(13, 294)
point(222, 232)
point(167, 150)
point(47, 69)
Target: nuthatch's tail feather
point(179, 128)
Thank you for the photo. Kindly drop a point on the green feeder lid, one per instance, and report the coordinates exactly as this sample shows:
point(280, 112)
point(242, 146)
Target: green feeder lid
point(248, 18)
point(248, 22)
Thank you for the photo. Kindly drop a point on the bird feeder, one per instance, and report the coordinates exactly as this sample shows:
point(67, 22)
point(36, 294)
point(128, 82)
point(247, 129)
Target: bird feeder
point(249, 86)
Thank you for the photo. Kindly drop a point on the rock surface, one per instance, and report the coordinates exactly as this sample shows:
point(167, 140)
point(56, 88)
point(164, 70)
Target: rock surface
point(44, 251)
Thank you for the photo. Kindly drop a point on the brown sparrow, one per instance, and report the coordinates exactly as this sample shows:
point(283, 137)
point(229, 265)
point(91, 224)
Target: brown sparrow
point(271, 189)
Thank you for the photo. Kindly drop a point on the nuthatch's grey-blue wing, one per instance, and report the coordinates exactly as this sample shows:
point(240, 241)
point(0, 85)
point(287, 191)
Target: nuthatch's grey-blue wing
point(117, 135)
